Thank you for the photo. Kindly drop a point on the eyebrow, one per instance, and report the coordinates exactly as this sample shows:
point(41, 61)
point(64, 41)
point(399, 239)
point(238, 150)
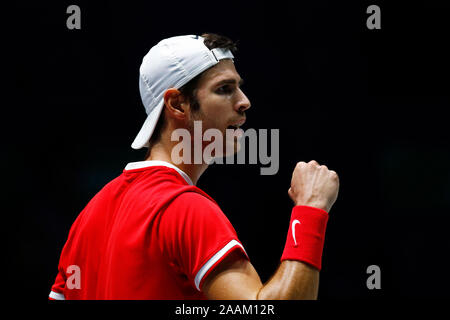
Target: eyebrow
point(229, 81)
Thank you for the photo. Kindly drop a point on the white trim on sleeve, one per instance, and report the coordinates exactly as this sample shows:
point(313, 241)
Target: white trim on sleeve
point(56, 295)
point(203, 270)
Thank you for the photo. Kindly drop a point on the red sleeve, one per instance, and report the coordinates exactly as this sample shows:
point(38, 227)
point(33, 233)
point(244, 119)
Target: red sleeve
point(57, 291)
point(196, 236)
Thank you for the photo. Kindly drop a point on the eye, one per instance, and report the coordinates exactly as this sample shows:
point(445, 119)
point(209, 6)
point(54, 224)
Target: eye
point(225, 89)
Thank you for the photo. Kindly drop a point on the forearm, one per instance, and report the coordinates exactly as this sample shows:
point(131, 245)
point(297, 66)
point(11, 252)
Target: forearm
point(314, 190)
point(293, 280)
point(298, 274)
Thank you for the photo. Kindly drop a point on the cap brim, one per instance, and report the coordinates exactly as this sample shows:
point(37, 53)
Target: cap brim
point(148, 127)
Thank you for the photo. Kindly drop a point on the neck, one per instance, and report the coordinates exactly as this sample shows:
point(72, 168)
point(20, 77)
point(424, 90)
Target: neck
point(162, 151)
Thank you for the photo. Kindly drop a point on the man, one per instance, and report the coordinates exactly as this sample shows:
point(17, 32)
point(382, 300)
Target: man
point(151, 234)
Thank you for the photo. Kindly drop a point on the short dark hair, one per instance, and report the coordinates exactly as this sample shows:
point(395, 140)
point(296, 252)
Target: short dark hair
point(189, 90)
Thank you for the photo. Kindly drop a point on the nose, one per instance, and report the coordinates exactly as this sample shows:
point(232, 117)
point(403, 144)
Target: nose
point(243, 102)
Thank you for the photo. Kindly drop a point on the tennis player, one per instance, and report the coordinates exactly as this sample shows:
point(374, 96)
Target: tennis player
point(152, 234)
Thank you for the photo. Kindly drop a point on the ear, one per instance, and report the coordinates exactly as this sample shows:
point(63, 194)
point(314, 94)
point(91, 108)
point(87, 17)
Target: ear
point(175, 103)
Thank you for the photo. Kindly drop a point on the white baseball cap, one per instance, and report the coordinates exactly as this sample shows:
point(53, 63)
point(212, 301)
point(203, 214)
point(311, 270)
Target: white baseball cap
point(171, 64)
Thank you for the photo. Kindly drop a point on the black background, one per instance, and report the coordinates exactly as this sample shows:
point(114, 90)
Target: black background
point(370, 104)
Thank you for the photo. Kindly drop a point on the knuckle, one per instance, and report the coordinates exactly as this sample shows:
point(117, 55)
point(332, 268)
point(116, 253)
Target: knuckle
point(299, 165)
point(334, 174)
point(291, 192)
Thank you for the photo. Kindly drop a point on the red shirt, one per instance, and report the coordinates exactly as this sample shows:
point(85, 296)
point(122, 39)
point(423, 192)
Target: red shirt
point(148, 234)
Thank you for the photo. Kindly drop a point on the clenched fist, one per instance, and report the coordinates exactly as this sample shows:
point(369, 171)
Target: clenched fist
point(314, 185)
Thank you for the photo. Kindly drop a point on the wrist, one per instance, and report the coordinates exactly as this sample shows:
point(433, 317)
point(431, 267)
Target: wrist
point(316, 204)
point(306, 235)
point(318, 207)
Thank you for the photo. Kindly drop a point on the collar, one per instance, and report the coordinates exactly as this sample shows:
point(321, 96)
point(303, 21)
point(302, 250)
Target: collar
point(154, 163)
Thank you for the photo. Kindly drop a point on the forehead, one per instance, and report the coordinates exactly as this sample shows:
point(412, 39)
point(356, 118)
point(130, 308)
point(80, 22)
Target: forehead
point(225, 69)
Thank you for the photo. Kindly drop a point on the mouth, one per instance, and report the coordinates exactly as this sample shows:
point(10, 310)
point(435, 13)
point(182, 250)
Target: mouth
point(237, 125)
point(233, 127)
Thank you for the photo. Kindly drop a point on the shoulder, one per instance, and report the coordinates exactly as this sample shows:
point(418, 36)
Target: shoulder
point(194, 199)
point(193, 204)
